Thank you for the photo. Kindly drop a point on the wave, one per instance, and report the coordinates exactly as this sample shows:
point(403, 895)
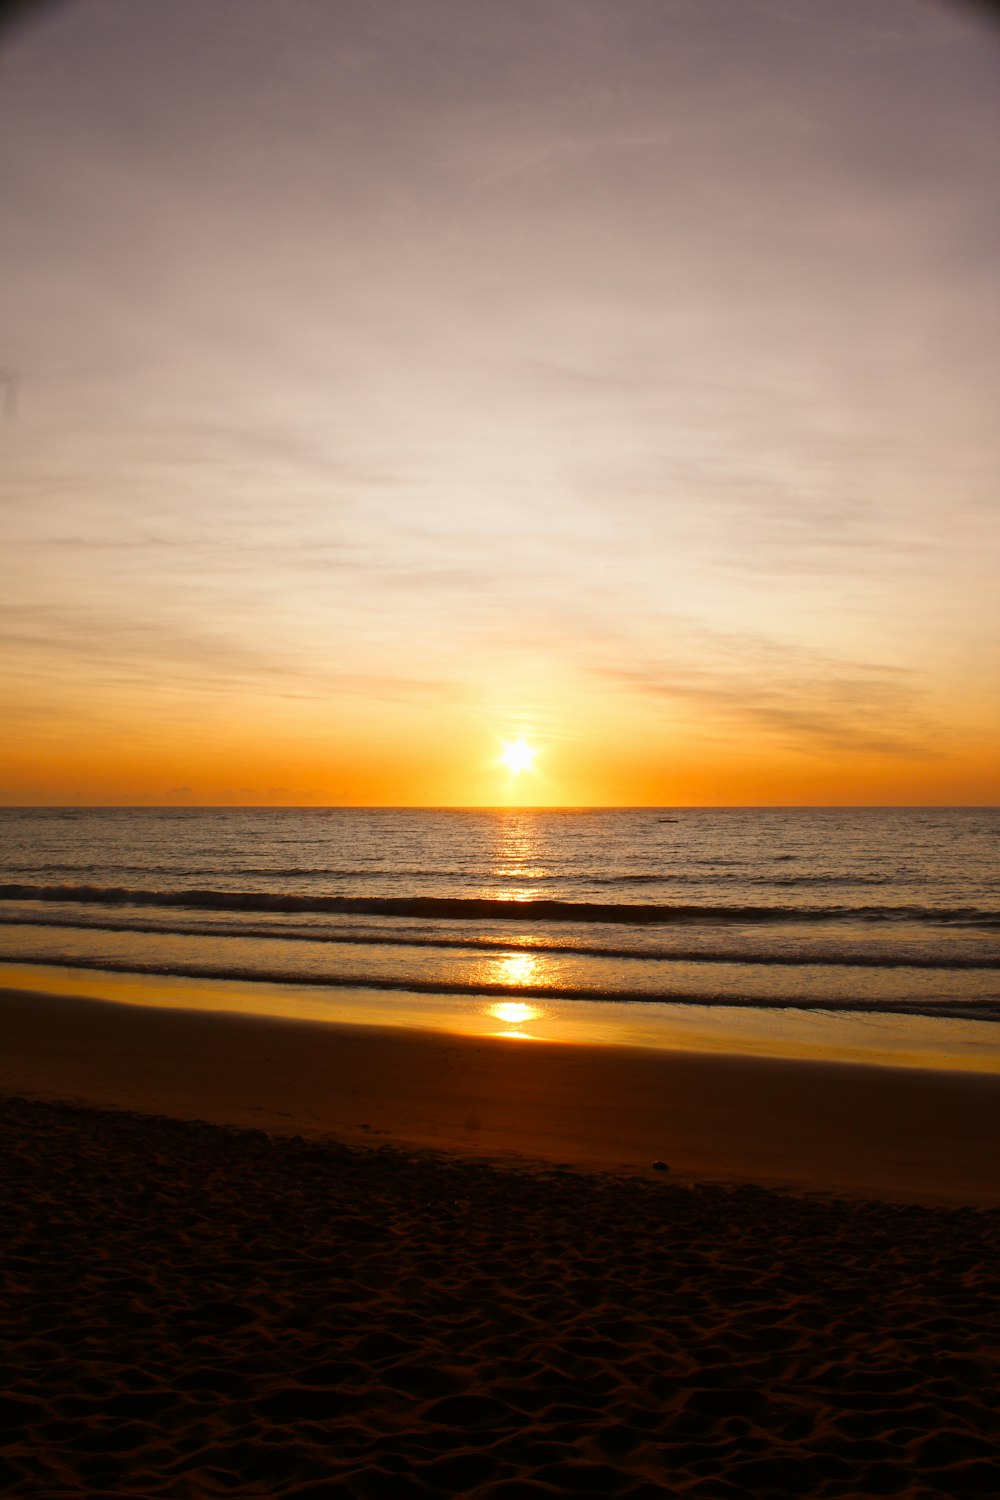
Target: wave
point(984, 1010)
point(478, 908)
point(819, 880)
point(521, 877)
point(331, 872)
point(796, 958)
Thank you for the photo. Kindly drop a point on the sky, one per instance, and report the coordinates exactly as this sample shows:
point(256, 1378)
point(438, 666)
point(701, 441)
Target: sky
point(385, 381)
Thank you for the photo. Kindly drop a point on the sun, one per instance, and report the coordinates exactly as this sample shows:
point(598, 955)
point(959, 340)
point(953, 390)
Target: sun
point(517, 756)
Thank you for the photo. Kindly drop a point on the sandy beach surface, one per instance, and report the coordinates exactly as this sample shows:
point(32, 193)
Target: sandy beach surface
point(447, 1266)
point(904, 1134)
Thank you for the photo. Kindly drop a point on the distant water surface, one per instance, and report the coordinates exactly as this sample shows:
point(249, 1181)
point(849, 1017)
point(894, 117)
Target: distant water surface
point(885, 911)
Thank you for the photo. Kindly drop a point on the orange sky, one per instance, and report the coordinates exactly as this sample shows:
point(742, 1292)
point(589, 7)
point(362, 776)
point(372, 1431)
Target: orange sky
point(383, 382)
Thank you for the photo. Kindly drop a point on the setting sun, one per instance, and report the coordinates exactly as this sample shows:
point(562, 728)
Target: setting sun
point(518, 755)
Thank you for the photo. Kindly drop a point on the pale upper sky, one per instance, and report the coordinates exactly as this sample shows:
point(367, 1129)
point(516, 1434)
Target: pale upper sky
point(387, 378)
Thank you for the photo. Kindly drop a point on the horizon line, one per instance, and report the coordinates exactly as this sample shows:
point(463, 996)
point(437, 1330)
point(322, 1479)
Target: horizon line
point(496, 807)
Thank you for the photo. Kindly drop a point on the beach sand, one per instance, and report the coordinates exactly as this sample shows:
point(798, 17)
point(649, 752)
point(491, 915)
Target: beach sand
point(904, 1134)
point(198, 1309)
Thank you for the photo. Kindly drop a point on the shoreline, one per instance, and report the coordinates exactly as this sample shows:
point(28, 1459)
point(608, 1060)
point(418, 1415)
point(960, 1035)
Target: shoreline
point(905, 1135)
point(944, 1041)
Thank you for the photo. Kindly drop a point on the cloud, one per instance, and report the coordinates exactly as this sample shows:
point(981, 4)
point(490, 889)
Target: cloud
point(851, 708)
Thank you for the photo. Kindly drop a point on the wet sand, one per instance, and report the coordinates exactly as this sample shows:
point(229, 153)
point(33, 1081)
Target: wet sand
point(908, 1135)
point(199, 1309)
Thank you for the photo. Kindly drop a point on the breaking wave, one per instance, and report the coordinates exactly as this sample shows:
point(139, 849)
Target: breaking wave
point(478, 908)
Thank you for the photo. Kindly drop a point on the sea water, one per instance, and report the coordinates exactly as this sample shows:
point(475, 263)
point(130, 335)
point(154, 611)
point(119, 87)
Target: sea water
point(884, 912)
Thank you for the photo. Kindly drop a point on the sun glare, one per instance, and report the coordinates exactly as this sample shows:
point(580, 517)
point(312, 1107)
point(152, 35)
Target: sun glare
point(517, 756)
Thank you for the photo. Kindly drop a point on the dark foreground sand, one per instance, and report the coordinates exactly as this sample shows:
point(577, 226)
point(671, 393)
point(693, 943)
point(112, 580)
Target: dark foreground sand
point(192, 1309)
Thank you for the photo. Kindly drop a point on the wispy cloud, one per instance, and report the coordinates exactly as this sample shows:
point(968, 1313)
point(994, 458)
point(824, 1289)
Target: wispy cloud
point(859, 710)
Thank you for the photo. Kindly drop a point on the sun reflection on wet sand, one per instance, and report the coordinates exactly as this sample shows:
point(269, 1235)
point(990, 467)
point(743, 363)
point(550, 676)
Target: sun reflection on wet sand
point(934, 1042)
point(514, 1013)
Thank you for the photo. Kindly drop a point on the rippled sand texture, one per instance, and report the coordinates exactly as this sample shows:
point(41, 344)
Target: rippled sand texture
point(194, 1310)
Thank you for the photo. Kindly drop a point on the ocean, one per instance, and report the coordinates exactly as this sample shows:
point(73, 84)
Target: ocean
point(870, 911)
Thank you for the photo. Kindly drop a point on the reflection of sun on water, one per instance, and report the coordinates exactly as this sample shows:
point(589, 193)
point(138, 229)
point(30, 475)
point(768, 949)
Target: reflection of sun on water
point(517, 969)
point(516, 858)
point(514, 971)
